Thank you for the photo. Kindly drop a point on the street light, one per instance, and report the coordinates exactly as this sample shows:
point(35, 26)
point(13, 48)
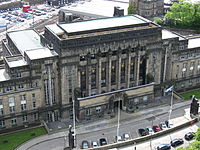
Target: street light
point(118, 118)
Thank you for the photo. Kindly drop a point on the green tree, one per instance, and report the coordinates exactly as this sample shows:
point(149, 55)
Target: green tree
point(197, 135)
point(184, 14)
point(131, 9)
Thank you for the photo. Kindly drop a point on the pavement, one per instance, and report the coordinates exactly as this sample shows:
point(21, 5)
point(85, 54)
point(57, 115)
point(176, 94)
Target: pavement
point(108, 123)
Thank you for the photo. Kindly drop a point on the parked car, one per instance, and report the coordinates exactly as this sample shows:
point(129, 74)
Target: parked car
point(94, 144)
point(169, 124)
point(150, 130)
point(118, 138)
point(85, 144)
point(126, 136)
point(102, 141)
point(142, 132)
point(156, 128)
point(163, 126)
point(163, 147)
point(189, 136)
point(176, 142)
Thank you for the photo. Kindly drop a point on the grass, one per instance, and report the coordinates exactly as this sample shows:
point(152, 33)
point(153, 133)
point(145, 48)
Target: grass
point(188, 95)
point(11, 141)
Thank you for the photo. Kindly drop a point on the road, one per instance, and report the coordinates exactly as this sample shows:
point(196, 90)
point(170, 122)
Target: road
point(109, 133)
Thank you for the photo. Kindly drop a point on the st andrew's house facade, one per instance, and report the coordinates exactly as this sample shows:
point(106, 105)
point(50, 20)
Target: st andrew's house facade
point(101, 64)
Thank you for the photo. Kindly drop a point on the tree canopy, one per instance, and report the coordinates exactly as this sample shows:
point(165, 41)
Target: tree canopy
point(131, 9)
point(184, 14)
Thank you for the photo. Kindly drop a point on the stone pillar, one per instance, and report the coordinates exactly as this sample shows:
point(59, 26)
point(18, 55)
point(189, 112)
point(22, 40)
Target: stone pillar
point(108, 74)
point(78, 78)
point(127, 71)
point(147, 67)
point(137, 71)
point(118, 71)
point(99, 77)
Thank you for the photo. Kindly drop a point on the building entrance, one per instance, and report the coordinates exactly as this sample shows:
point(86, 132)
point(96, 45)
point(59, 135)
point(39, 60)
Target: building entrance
point(118, 104)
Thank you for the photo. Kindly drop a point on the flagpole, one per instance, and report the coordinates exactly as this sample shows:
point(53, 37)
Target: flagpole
point(170, 111)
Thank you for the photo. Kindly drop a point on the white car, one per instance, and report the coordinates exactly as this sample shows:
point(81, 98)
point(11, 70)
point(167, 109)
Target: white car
point(126, 136)
point(163, 126)
point(150, 130)
point(118, 138)
point(94, 144)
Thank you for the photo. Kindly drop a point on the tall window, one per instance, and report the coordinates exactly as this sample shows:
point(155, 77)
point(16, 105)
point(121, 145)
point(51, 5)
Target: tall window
point(191, 68)
point(184, 69)
point(24, 118)
point(123, 71)
point(2, 123)
point(93, 76)
point(113, 72)
point(23, 102)
point(11, 101)
point(13, 121)
point(1, 107)
point(34, 100)
point(83, 78)
point(103, 74)
point(132, 68)
point(87, 112)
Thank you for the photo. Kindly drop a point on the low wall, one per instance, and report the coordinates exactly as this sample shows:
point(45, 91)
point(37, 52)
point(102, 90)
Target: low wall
point(144, 138)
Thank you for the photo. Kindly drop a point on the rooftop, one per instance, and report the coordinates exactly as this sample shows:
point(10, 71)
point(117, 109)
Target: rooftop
point(168, 35)
point(103, 23)
point(40, 53)
point(194, 42)
point(25, 40)
point(28, 41)
point(3, 75)
point(15, 61)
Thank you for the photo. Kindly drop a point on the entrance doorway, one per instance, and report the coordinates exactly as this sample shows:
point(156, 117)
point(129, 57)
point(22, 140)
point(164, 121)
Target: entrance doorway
point(117, 103)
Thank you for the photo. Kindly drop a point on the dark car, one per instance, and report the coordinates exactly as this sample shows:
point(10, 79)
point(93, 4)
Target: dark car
point(102, 141)
point(189, 136)
point(156, 128)
point(142, 132)
point(85, 144)
point(176, 142)
point(163, 147)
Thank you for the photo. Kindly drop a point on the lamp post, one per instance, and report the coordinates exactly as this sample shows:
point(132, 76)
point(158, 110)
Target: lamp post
point(118, 118)
point(74, 123)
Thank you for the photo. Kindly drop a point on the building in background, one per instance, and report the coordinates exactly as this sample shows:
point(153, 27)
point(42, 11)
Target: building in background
point(148, 8)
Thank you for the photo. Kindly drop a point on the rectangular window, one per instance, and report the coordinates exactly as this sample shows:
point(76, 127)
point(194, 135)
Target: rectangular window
point(132, 69)
point(103, 74)
point(35, 116)
point(87, 112)
point(24, 118)
point(11, 101)
point(113, 72)
point(1, 107)
point(2, 123)
point(98, 109)
point(123, 70)
point(93, 76)
point(13, 121)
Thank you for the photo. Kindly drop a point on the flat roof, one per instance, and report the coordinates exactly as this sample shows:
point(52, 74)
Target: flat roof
point(15, 61)
point(103, 23)
point(98, 7)
point(168, 35)
point(194, 42)
point(40, 53)
point(3, 75)
point(57, 30)
point(25, 40)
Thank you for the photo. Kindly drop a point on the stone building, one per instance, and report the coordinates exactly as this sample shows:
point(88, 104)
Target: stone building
point(148, 8)
point(101, 64)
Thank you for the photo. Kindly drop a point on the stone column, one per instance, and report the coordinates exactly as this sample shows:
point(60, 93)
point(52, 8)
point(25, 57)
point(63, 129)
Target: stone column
point(108, 74)
point(99, 76)
point(137, 70)
point(127, 71)
point(147, 67)
point(118, 71)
